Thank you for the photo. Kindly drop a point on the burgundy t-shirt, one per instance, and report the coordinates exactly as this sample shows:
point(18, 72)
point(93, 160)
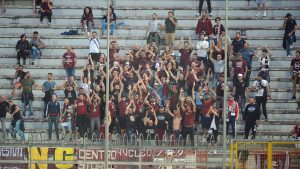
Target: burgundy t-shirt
point(185, 56)
point(122, 107)
point(206, 106)
point(112, 109)
point(69, 59)
point(188, 118)
point(239, 66)
point(81, 107)
point(95, 111)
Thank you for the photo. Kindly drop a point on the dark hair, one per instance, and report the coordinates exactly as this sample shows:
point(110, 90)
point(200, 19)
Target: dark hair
point(238, 33)
point(171, 12)
point(23, 36)
point(112, 9)
point(298, 51)
point(217, 18)
point(35, 32)
point(50, 74)
point(90, 11)
point(21, 66)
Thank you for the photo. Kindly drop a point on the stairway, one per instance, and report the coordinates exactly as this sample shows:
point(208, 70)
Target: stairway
point(283, 113)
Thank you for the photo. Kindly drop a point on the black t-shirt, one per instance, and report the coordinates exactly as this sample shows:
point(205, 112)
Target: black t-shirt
point(16, 116)
point(240, 88)
point(3, 109)
point(71, 95)
point(130, 121)
point(149, 130)
point(219, 90)
point(295, 63)
point(161, 118)
point(237, 45)
point(251, 113)
point(290, 26)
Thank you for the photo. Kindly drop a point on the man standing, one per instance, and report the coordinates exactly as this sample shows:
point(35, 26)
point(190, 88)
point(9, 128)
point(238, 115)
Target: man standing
point(17, 124)
point(185, 52)
point(232, 116)
point(202, 49)
point(237, 44)
point(239, 66)
point(53, 114)
point(153, 26)
point(36, 45)
point(170, 27)
point(27, 95)
point(262, 94)
point(250, 118)
point(3, 110)
point(240, 92)
point(69, 62)
point(295, 71)
point(247, 55)
point(48, 88)
point(81, 119)
point(290, 27)
point(204, 25)
point(94, 47)
point(188, 107)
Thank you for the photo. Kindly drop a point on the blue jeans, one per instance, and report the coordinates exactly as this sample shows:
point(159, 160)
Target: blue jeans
point(35, 53)
point(70, 71)
point(24, 108)
point(18, 130)
point(288, 42)
point(112, 27)
point(232, 123)
point(53, 120)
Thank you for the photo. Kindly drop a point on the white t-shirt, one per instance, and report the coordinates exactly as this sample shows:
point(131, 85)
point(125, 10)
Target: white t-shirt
point(202, 47)
point(260, 86)
point(219, 66)
point(153, 25)
point(94, 44)
point(264, 62)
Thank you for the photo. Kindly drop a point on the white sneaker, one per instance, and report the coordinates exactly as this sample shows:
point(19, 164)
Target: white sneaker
point(289, 56)
point(265, 13)
point(49, 23)
point(215, 151)
point(291, 46)
point(31, 117)
point(258, 13)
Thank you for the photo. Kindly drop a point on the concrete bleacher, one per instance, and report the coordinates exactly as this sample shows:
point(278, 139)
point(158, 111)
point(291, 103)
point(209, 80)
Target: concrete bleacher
point(283, 113)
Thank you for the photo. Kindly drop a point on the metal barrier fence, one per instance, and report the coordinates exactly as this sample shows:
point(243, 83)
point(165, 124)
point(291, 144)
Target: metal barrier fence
point(265, 155)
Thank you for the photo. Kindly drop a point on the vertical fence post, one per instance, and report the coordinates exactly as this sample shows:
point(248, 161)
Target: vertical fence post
point(270, 152)
point(236, 155)
point(231, 154)
point(3, 7)
point(33, 7)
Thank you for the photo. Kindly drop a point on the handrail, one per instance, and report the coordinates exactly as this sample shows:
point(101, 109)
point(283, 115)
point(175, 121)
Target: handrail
point(3, 10)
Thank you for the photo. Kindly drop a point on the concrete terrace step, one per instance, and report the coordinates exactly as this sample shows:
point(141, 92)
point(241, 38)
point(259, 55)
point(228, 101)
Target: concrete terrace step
point(130, 30)
point(142, 20)
point(127, 40)
point(83, 49)
point(148, 10)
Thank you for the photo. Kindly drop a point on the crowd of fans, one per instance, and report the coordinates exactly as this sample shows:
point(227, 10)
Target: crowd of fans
point(153, 91)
